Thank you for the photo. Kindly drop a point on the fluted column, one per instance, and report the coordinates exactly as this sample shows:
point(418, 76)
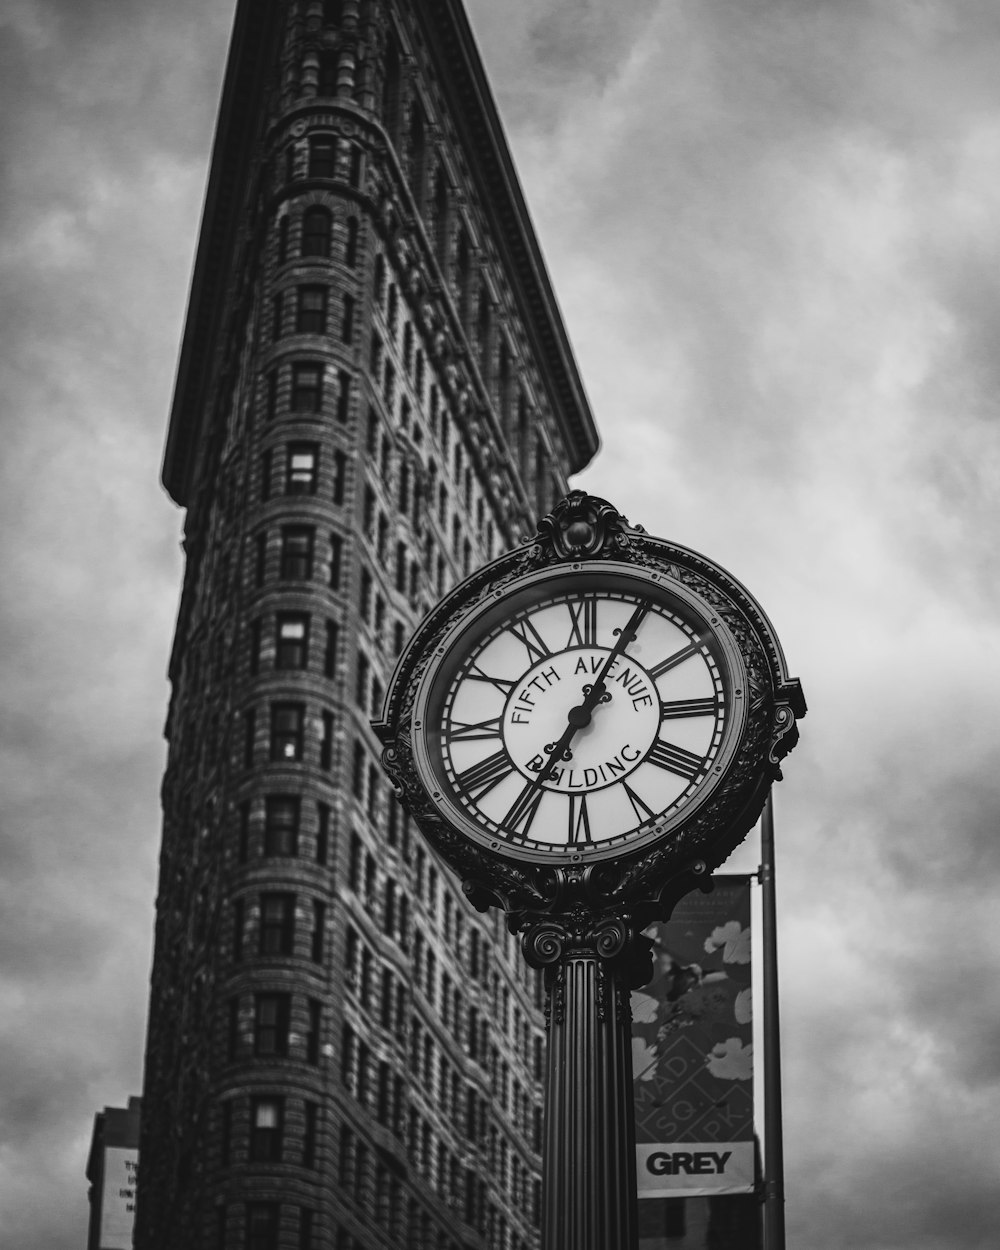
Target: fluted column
point(588, 1169)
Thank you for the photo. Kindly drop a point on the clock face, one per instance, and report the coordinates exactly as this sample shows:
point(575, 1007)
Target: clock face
point(582, 713)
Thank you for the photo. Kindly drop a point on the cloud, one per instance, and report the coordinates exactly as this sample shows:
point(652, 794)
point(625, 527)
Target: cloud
point(774, 232)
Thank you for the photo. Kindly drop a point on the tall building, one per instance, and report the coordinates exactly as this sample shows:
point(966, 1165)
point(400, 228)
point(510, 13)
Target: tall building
point(375, 393)
point(112, 1165)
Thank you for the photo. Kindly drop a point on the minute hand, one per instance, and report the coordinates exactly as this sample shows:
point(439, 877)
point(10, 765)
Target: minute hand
point(627, 635)
point(579, 716)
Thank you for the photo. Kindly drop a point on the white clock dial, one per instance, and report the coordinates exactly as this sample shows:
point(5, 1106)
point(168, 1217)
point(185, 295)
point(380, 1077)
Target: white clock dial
point(582, 718)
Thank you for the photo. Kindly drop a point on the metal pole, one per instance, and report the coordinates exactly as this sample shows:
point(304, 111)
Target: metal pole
point(589, 1183)
point(774, 1165)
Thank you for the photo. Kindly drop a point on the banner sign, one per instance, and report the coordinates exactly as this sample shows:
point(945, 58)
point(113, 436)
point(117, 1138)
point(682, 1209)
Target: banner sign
point(692, 1050)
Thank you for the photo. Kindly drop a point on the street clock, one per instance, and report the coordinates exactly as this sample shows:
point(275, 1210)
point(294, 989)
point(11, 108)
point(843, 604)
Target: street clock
point(597, 700)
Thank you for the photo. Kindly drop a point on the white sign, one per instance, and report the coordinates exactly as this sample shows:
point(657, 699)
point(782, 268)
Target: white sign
point(686, 1169)
point(121, 1169)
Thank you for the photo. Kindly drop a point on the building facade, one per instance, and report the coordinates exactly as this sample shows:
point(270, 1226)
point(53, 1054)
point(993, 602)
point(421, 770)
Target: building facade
point(375, 394)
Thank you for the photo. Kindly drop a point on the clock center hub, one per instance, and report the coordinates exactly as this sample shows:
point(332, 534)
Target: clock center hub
point(608, 737)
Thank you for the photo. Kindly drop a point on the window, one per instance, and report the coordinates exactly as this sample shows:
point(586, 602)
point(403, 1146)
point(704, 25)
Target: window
point(262, 1225)
point(347, 324)
point(318, 932)
point(297, 552)
point(358, 772)
point(351, 247)
point(270, 1031)
point(293, 640)
point(277, 308)
point(302, 469)
point(281, 824)
point(336, 556)
point(330, 653)
point(322, 156)
point(311, 311)
point(343, 395)
point(286, 731)
point(313, 1033)
point(326, 742)
point(316, 230)
point(361, 679)
point(327, 84)
point(266, 1116)
point(379, 280)
point(322, 833)
point(306, 1220)
point(266, 462)
point(283, 239)
point(307, 387)
point(277, 924)
point(339, 474)
point(354, 165)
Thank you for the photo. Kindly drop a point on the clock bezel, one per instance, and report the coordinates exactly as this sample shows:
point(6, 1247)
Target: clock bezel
point(466, 630)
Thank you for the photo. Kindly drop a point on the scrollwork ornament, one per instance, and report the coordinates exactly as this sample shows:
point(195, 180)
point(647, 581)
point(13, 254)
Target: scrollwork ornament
point(544, 943)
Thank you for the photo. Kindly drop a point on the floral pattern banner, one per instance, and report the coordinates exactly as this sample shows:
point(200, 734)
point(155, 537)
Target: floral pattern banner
point(692, 1050)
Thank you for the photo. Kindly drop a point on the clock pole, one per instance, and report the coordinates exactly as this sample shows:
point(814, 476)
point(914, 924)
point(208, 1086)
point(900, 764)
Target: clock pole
point(590, 946)
point(588, 1170)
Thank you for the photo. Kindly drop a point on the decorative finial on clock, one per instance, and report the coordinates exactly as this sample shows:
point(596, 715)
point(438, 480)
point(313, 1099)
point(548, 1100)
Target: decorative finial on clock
point(583, 527)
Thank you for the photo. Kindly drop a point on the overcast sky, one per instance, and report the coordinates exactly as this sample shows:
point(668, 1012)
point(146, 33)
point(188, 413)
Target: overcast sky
point(774, 230)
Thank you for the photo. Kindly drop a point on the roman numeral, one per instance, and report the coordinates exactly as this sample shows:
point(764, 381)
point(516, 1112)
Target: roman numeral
point(502, 684)
point(642, 810)
point(523, 809)
point(480, 779)
point(458, 731)
point(579, 818)
point(532, 640)
point(676, 760)
point(672, 661)
point(583, 622)
point(675, 709)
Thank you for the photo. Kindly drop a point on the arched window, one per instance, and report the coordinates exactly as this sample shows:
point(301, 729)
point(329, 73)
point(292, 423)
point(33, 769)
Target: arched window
point(316, 227)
